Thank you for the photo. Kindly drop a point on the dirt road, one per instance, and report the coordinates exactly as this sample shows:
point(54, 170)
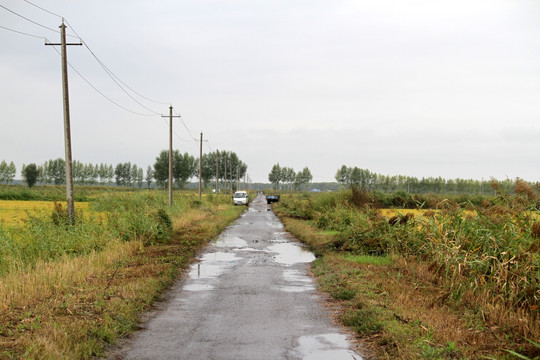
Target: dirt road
point(249, 297)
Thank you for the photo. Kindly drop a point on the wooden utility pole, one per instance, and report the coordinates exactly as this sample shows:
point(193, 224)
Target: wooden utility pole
point(200, 169)
point(67, 128)
point(170, 154)
point(231, 176)
point(225, 175)
point(217, 172)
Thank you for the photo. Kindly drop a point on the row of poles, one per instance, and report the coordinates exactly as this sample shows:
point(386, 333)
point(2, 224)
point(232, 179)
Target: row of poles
point(67, 136)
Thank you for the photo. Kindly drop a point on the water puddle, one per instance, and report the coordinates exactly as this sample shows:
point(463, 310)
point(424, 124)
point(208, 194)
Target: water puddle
point(291, 253)
point(211, 266)
point(274, 224)
point(296, 282)
point(252, 250)
point(230, 241)
point(325, 346)
point(198, 287)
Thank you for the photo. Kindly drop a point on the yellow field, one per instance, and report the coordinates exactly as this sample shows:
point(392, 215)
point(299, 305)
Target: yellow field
point(416, 212)
point(394, 212)
point(14, 212)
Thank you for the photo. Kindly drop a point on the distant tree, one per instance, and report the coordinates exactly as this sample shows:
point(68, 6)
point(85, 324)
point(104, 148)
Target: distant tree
point(161, 168)
point(7, 172)
point(184, 167)
point(10, 174)
point(102, 173)
point(78, 172)
point(140, 177)
point(55, 171)
point(122, 174)
point(208, 167)
point(288, 176)
point(30, 174)
point(41, 177)
point(110, 174)
point(275, 175)
point(134, 172)
point(303, 177)
point(149, 176)
point(343, 175)
point(93, 173)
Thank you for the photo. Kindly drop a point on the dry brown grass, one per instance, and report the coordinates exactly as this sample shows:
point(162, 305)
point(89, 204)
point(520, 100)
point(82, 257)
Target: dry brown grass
point(74, 307)
point(413, 302)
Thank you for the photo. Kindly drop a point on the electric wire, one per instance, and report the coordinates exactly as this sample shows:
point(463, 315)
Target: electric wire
point(23, 33)
point(185, 126)
point(39, 7)
point(115, 78)
point(32, 21)
point(101, 93)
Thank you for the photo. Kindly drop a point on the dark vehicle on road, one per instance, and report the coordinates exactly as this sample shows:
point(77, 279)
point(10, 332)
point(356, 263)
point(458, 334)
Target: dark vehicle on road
point(272, 199)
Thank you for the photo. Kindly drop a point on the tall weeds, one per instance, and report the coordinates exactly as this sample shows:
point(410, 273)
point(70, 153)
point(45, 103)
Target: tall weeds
point(47, 236)
point(485, 256)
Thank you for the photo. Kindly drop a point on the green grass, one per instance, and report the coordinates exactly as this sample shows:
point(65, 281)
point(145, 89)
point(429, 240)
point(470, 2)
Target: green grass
point(478, 259)
point(368, 259)
point(68, 292)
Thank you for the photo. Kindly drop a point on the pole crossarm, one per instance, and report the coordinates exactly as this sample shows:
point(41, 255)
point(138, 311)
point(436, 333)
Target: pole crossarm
point(59, 44)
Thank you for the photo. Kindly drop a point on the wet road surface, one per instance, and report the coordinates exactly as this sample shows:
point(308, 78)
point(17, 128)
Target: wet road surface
point(249, 297)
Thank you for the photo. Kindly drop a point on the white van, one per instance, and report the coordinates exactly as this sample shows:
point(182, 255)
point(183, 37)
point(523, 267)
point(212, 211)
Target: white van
point(240, 198)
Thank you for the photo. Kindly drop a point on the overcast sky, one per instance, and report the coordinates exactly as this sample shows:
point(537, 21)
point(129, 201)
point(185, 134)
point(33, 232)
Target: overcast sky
point(420, 88)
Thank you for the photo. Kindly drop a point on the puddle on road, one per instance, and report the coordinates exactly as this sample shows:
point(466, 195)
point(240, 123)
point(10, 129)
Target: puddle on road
point(297, 281)
point(274, 224)
point(253, 250)
point(230, 241)
point(325, 346)
point(198, 287)
point(211, 265)
point(291, 253)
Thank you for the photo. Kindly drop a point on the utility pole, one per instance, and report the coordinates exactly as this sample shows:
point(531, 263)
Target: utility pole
point(200, 168)
point(70, 204)
point(225, 175)
point(231, 176)
point(237, 178)
point(170, 154)
point(217, 172)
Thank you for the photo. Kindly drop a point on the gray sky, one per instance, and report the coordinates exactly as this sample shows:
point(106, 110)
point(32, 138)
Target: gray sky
point(420, 88)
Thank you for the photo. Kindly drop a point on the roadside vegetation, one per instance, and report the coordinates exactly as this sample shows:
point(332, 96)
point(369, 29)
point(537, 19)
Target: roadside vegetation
point(69, 292)
point(445, 280)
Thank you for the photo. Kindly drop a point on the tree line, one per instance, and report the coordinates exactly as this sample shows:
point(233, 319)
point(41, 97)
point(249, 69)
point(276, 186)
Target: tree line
point(367, 180)
point(7, 172)
point(288, 177)
point(225, 166)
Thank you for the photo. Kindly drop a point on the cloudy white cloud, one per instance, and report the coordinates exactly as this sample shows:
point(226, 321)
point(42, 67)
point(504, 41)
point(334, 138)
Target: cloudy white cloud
point(424, 88)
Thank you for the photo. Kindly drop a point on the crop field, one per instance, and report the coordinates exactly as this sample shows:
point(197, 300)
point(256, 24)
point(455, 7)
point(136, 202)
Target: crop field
point(464, 280)
point(69, 291)
point(16, 212)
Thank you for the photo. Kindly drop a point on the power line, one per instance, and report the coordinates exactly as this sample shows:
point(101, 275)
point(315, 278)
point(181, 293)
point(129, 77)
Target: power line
point(185, 126)
point(23, 33)
point(101, 93)
point(39, 7)
point(32, 21)
point(116, 79)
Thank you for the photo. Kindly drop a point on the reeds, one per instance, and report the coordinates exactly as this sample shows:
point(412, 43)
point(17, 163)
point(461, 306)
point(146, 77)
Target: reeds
point(485, 257)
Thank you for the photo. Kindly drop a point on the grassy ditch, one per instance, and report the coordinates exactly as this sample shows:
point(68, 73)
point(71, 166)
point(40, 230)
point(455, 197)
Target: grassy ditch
point(462, 282)
point(69, 292)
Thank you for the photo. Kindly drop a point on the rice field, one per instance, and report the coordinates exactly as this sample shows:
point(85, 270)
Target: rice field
point(15, 212)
